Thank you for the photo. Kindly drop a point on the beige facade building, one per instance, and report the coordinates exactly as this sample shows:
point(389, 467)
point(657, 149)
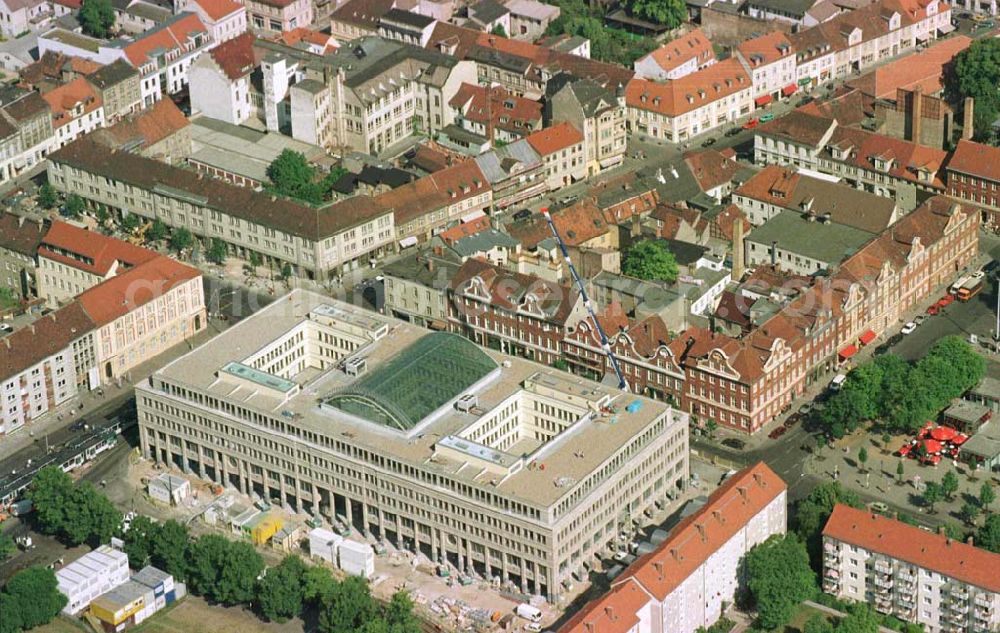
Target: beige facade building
point(595, 111)
point(271, 17)
point(496, 465)
point(314, 241)
point(944, 585)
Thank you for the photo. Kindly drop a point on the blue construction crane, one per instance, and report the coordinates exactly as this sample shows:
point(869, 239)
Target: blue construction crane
point(605, 345)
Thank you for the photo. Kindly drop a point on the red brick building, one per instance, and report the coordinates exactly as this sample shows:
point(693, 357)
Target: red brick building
point(973, 174)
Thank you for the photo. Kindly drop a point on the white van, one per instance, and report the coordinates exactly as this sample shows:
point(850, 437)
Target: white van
point(529, 612)
point(953, 289)
point(838, 382)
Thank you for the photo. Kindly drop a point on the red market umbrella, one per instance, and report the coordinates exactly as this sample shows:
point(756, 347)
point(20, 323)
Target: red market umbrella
point(932, 446)
point(934, 459)
point(943, 433)
point(960, 439)
point(903, 452)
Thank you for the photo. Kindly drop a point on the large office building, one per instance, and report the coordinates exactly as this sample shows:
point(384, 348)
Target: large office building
point(915, 575)
point(503, 467)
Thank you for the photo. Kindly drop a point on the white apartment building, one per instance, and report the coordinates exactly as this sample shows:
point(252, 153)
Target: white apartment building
point(770, 60)
point(680, 109)
point(220, 81)
point(91, 575)
point(314, 242)
point(945, 585)
point(76, 108)
point(561, 147)
point(687, 54)
point(225, 19)
point(421, 438)
point(687, 581)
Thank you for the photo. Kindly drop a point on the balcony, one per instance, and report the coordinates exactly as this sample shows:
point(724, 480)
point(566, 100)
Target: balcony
point(831, 559)
point(883, 583)
point(982, 615)
point(959, 607)
point(830, 572)
point(982, 601)
point(883, 567)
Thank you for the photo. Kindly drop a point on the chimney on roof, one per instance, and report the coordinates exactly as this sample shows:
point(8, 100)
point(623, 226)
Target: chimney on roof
point(743, 492)
point(657, 565)
point(718, 516)
point(760, 480)
point(917, 113)
point(970, 540)
point(677, 555)
point(941, 530)
point(968, 123)
point(589, 626)
point(701, 531)
point(610, 611)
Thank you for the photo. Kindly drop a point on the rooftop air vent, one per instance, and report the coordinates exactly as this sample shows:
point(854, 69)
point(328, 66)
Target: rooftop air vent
point(355, 366)
point(467, 403)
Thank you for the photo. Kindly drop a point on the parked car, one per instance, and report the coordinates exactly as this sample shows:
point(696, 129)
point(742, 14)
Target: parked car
point(909, 328)
point(708, 142)
point(920, 318)
point(807, 408)
point(776, 433)
point(933, 310)
point(523, 214)
point(837, 382)
point(751, 124)
point(733, 442)
point(7, 328)
point(792, 420)
point(767, 116)
point(733, 131)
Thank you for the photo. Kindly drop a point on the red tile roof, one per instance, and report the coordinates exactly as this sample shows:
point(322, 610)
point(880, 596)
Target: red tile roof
point(436, 191)
point(766, 49)
point(555, 138)
point(691, 543)
point(509, 290)
point(936, 552)
point(132, 289)
point(679, 96)
point(675, 53)
point(465, 229)
point(218, 9)
point(578, 223)
point(20, 234)
point(167, 37)
point(710, 168)
point(976, 159)
point(66, 97)
point(49, 335)
point(316, 41)
point(506, 110)
point(236, 56)
point(924, 69)
point(152, 125)
point(90, 251)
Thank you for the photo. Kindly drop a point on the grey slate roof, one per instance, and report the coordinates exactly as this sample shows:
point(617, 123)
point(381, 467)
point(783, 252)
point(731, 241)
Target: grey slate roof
point(496, 164)
point(483, 241)
point(830, 243)
point(486, 11)
point(112, 74)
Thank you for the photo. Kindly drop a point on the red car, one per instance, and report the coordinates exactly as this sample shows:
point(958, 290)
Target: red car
point(934, 309)
point(776, 433)
point(946, 300)
point(751, 124)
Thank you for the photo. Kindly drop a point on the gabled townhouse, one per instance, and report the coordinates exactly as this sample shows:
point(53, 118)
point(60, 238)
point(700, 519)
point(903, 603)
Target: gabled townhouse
point(220, 80)
point(76, 110)
point(358, 18)
point(491, 111)
point(28, 133)
point(54, 69)
point(529, 19)
point(427, 206)
point(270, 17)
point(20, 16)
point(118, 86)
point(770, 61)
point(225, 19)
point(315, 42)
point(515, 173)
point(591, 239)
point(688, 53)
point(876, 163)
point(597, 112)
point(679, 109)
point(406, 26)
point(136, 16)
point(161, 132)
point(489, 16)
point(519, 314)
point(314, 242)
point(690, 579)
point(775, 189)
point(19, 241)
point(561, 148)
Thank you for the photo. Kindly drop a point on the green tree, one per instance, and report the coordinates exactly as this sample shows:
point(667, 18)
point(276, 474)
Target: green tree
point(899, 470)
point(862, 457)
point(170, 548)
point(47, 196)
point(975, 73)
point(130, 222)
point(74, 206)
point(97, 17)
point(499, 30)
point(97, 519)
point(348, 607)
point(933, 492)
point(10, 609)
point(957, 353)
point(217, 251)
point(36, 596)
point(181, 239)
point(969, 511)
point(224, 571)
point(817, 624)
point(650, 259)
point(49, 493)
point(399, 614)
point(291, 175)
point(669, 13)
point(861, 618)
point(779, 578)
point(280, 592)
point(255, 259)
point(7, 547)
point(988, 535)
point(102, 214)
point(317, 585)
point(139, 541)
point(157, 231)
point(711, 427)
point(286, 271)
point(986, 496)
point(812, 512)
point(949, 484)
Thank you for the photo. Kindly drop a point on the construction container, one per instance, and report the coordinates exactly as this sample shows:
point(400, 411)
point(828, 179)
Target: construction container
point(357, 559)
point(262, 530)
point(323, 544)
